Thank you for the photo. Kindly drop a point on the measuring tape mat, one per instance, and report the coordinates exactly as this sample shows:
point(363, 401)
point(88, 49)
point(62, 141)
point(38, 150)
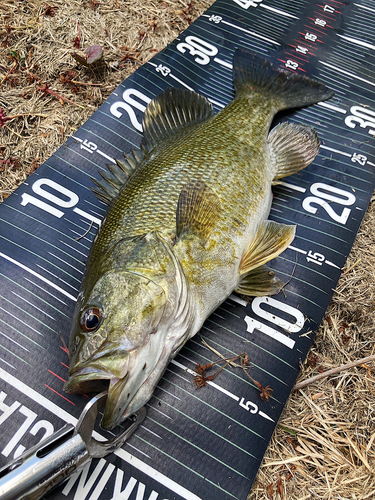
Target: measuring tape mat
point(205, 443)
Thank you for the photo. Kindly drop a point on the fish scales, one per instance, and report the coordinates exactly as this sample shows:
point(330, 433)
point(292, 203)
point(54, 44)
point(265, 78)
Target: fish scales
point(186, 228)
point(152, 193)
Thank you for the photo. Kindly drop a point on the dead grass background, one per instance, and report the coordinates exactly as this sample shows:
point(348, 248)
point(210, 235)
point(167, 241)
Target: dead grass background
point(324, 446)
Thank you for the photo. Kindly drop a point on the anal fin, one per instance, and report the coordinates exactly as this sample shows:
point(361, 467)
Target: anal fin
point(292, 147)
point(270, 240)
point(259, 282)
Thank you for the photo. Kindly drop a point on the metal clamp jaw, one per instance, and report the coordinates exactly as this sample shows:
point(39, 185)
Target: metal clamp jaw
point(47, 464)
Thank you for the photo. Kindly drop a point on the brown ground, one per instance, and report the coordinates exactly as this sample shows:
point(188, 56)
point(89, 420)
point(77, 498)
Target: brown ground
point(325, 445)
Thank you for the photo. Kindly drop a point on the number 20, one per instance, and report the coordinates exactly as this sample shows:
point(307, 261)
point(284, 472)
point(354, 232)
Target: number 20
point(321, 198)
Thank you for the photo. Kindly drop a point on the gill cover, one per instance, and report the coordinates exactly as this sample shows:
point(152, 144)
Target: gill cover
point(127, 320)
point(128, 309)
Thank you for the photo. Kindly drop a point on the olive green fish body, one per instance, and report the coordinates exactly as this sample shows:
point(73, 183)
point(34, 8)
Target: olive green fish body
point(229, 154)
point(187, 225)
point(217, 152)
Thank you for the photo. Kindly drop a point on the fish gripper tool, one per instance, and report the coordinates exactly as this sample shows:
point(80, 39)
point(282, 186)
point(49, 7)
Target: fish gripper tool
point(50, 462)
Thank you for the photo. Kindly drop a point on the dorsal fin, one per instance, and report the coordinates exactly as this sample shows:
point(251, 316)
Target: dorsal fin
point(172, 111)
point(114, 180)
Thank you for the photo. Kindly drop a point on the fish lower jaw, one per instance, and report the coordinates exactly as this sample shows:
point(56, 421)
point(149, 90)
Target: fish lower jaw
point(113, 381)
point(85, 382)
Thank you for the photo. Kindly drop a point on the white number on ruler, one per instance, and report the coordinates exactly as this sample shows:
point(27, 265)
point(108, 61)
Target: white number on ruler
point(253, 324)
point(315, 257)
point(245, 4)
point(248, 405)
point(303, 50)
point(89, 146)
point(215, 19)
point(320, 22)
point(128, 106)
point(320, 189)
point(164, 70)
point(329, 8)
point(357, 158)
point(361, 116)
point(199, 48)
point(73, 199)
point(311, 37)
point(291, 64)
point(38, 189)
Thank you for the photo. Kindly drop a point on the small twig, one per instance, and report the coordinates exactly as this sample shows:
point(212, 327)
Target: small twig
point(46, 90)
point(4, 118)
point(65, 347)
point(265, 392)
point(22, 114)
point(218, 354)
point(351, 267)
point(13, 131)
point(201, 378)
point(87, 232)
point(24, 27)
point(291, 276)
point(77, 40)
point(84, 83)
point(338, 369)
point(9, 72)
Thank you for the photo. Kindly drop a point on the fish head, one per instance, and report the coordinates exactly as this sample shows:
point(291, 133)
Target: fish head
point(123, 336)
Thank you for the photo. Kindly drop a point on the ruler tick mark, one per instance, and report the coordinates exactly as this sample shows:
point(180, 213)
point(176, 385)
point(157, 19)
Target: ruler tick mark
point(292, 186)
point(37, 275)
point(297, 250)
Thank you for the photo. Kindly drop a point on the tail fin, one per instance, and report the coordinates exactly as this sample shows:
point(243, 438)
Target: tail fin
point(253, 73)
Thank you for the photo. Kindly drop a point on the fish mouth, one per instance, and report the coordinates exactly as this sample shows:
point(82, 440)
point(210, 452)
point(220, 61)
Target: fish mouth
point(98, 373)
point(84, 381)
point(120, 394)
point(127, 395)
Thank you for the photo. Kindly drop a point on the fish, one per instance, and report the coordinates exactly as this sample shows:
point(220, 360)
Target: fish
point(187, 225)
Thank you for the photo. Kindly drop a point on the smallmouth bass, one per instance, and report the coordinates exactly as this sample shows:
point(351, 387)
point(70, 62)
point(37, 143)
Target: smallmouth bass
point(187, 224)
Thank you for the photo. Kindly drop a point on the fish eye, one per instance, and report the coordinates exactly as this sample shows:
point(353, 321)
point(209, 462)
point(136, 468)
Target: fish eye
point(90, 319)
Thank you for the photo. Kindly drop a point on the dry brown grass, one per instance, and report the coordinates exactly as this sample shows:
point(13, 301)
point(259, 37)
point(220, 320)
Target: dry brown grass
point(37, 43)
point(325, 444)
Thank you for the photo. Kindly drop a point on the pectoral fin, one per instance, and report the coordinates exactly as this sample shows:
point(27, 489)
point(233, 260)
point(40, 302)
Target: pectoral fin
point(270, 240)
point(292, 147)
point(259, 282)
point(197, 210)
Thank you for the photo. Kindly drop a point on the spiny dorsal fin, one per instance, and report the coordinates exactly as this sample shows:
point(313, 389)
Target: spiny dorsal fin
point(270, 240)
point(171, 112)
point(292, 147)
point(259, 282)
point(114, 180)
point(197, 210)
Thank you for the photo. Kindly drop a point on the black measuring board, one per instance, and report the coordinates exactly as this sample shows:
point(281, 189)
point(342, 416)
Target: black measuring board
point(205, 443)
